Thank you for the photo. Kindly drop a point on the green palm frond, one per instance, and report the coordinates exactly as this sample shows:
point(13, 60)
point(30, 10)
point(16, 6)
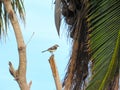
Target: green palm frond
point(19, 9)
point(104, 25)
point(18, 6)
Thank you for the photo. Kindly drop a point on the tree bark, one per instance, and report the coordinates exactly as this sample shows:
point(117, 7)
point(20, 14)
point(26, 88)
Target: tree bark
point(69, 79)
point(55, 73)
point(116, 83)
point(20, 73)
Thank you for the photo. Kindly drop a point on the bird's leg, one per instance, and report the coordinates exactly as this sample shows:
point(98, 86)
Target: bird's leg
point(51, 53)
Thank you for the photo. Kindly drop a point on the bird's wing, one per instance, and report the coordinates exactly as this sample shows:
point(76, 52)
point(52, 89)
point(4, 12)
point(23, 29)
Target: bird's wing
point(52, 48)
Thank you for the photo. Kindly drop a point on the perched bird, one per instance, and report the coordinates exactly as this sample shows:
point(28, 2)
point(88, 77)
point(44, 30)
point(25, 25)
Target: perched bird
point(51, 49)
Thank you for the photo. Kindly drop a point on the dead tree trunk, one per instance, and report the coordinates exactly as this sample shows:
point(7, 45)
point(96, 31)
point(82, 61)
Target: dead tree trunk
point(55, 73)
point(20, 73)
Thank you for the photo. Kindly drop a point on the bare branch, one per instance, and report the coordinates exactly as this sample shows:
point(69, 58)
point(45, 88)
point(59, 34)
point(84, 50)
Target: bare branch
point(30, 38)
point(30, 83)
point(13, 72)
point(55, 73)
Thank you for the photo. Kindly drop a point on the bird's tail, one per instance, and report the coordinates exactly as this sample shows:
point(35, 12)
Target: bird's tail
point(44, 51)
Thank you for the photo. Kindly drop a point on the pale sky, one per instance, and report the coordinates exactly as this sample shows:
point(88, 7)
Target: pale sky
point(39, 19)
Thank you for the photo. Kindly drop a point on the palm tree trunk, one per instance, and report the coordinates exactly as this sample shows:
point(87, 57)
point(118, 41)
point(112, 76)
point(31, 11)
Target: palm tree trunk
point(20, 74)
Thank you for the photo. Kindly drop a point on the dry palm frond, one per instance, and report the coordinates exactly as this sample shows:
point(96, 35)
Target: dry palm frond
point(74, 12)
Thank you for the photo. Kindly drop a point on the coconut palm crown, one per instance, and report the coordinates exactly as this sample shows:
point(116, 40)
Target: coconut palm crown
point(94, 26)
point(19, 9)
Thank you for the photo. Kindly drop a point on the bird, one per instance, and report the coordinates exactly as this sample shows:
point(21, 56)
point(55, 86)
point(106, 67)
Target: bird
point(51, 49)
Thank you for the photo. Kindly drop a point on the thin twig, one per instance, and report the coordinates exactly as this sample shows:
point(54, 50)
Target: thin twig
point(30, 38)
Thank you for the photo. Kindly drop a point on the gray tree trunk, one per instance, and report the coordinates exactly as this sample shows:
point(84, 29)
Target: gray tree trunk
point(20, 73)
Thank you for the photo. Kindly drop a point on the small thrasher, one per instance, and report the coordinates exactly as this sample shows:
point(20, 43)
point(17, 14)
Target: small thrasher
point(51, 49)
